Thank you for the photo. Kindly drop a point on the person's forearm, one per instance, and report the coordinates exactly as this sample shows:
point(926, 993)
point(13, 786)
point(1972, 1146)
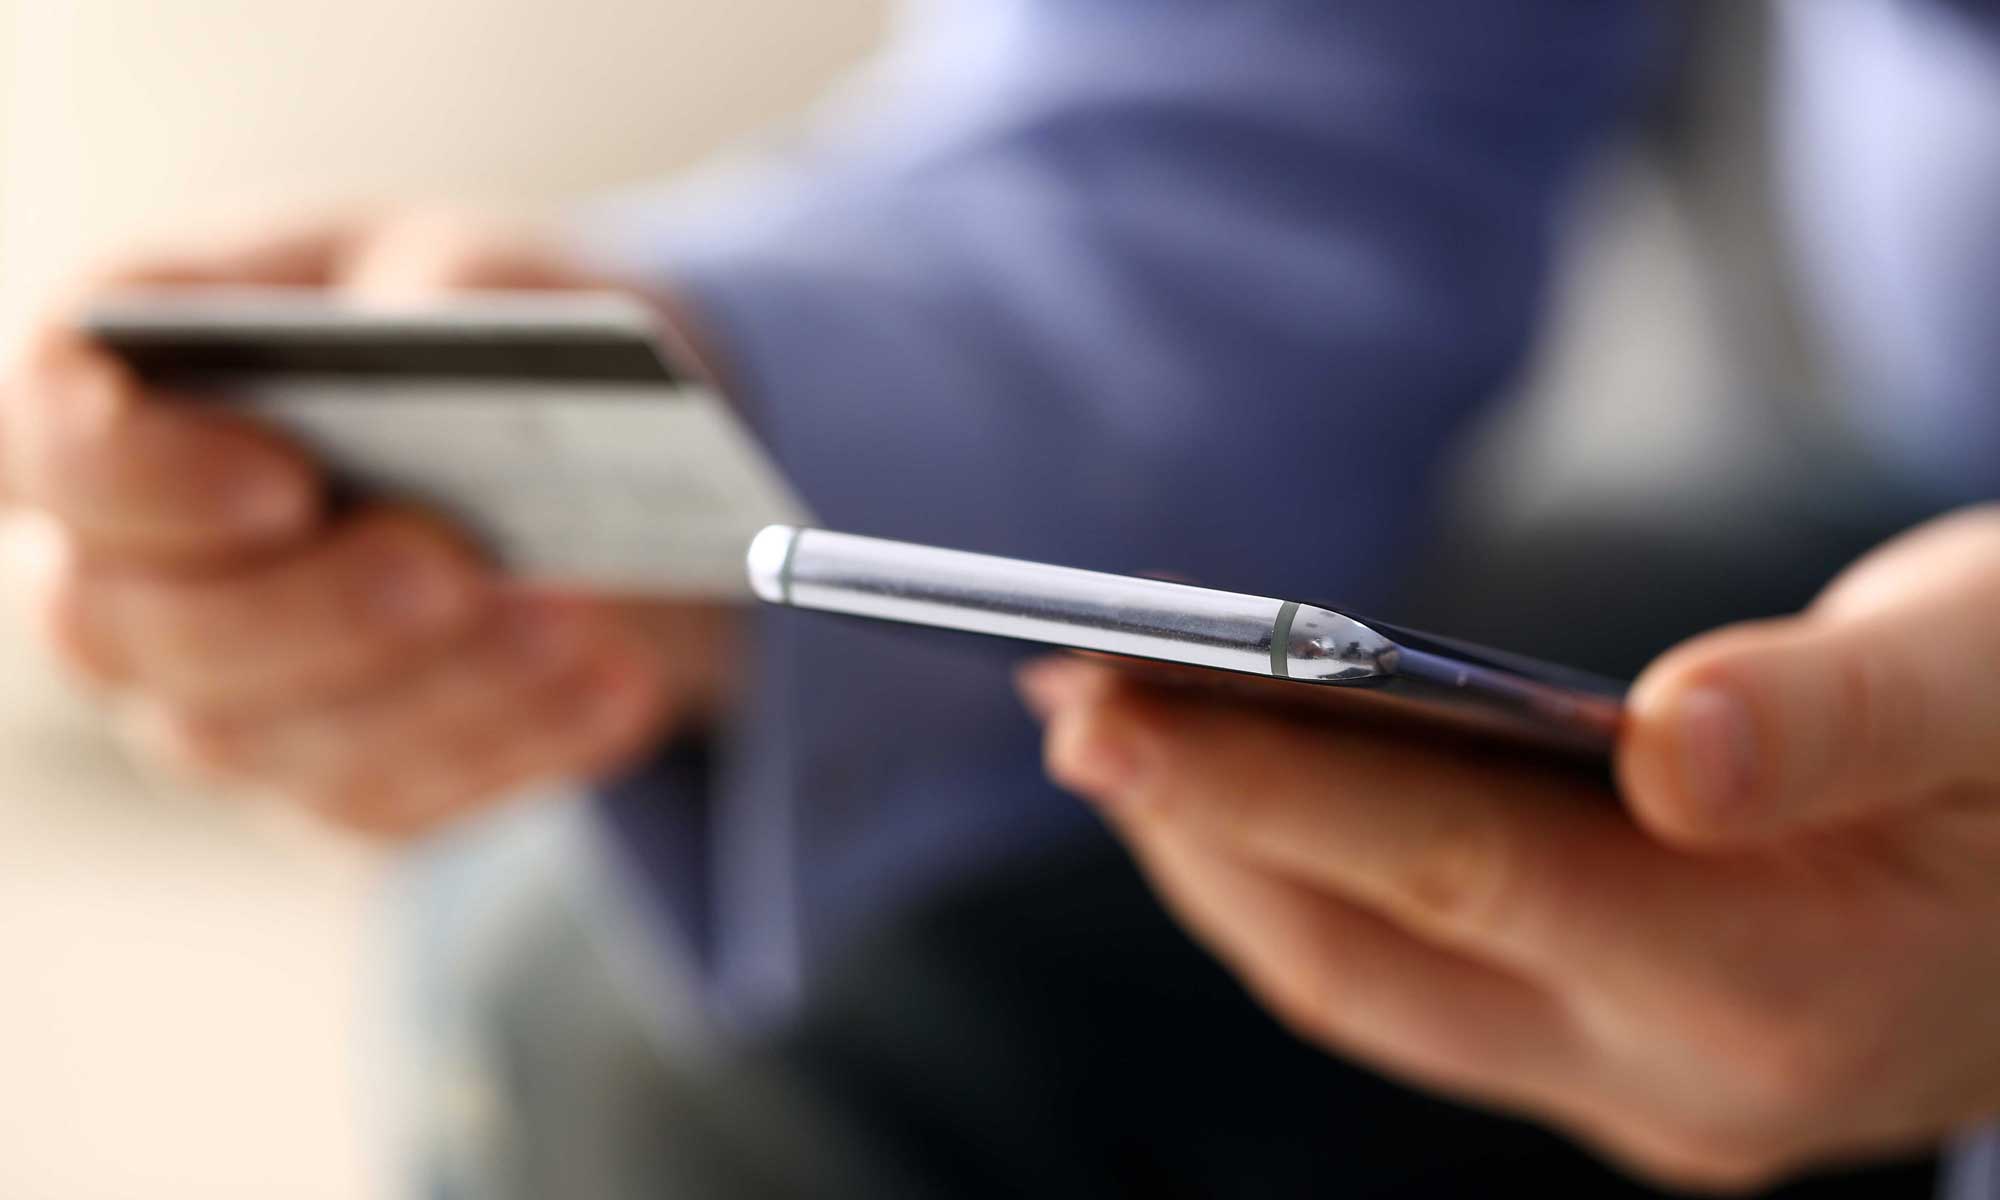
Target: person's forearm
point(1143, 259)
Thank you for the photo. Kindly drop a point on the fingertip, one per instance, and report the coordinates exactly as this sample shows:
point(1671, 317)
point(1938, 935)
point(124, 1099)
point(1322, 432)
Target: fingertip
point(169, 481)
point(230, 482)
point(62, 388)
point(414, 574)
point(275, 495)
point(1081, 757)
point(1102, 744)
point(66, 598)
point(67, 385)
point(1053, 683)
point(52, 345)
point(626, 701)
point(538, 634)
point(1687, 767)
point(1695, 764)
point(203, 747)
point(614, 710)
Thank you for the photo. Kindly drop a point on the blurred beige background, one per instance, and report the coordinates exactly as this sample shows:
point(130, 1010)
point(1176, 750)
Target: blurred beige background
point(179, 978)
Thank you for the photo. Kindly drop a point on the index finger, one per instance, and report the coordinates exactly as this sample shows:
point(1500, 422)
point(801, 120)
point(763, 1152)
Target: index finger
point(132, 476)
point(139, 476)
point(311, 255)
point(1534, 869)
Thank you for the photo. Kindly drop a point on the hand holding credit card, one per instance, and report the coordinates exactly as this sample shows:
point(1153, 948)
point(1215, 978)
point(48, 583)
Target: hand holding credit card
point(387, 517)
point(551, 425)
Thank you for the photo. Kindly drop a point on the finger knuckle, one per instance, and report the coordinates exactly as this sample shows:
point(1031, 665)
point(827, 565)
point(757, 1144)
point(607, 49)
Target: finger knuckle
point(1466, 875)
point(208, 746)
point(428, 812)
point(52, 347)
point(1712, 1163)
point(1879, 719)
point(1302, 1018)
point(438, 248)
point(71, 626)
point(1067, 749)
point(626, 720)
point(1797, 1067)
point(1103, 728)
point(386, 543)
point(358, 802)
point(1311, 1000)
point(174, 636)
point(391, 578)
point(1788, 1060)
point(402, 530)
point(71, 396)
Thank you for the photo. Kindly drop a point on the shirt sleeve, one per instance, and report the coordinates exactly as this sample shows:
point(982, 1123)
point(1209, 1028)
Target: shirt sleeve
point(1061, 262)
point(1972, 1167)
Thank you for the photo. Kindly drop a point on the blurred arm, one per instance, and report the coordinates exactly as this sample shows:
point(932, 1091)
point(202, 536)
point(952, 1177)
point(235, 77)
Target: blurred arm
point(1081, 260)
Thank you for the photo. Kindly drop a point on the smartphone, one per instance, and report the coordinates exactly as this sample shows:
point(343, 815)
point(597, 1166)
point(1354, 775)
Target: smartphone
point(1306, 645)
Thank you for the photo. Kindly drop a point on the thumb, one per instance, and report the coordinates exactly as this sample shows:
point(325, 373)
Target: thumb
point(1881, 695)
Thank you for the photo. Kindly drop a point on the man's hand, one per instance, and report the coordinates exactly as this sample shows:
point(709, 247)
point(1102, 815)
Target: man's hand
point(1783, 951)
point(366, 664)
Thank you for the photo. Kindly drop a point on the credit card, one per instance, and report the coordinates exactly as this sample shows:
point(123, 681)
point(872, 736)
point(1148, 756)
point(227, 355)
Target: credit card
point(553, 426)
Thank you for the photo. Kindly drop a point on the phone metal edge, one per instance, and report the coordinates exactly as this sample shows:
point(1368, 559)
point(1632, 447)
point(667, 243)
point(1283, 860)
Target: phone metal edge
point(1063, 606)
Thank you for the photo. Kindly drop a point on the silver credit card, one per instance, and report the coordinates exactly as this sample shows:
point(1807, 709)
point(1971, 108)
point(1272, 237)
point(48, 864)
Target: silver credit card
point(549, 424)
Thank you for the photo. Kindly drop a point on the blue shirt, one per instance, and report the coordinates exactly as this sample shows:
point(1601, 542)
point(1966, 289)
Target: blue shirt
point(1208, 286)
